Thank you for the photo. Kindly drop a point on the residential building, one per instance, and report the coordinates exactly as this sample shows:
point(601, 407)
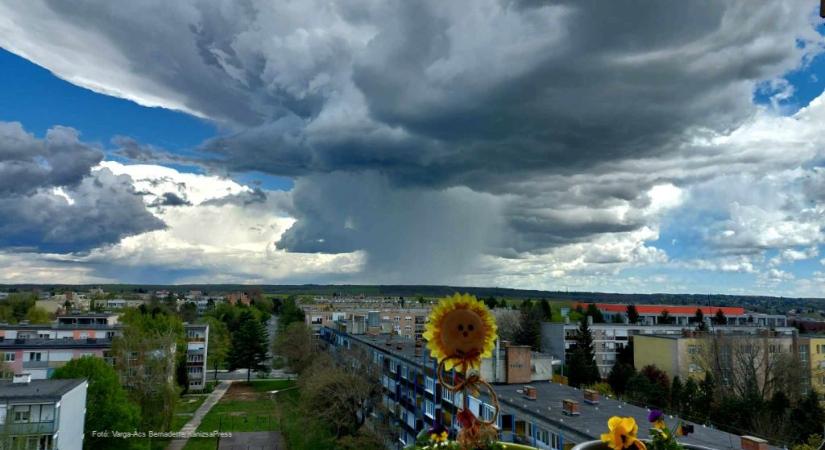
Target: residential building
point(407, 323)
point(684, 314)
point(39, 349)
point(415, 400)
point(43, 414)
point(608, 338)
point(811, 350)
point(197, 340)
point(732, 355)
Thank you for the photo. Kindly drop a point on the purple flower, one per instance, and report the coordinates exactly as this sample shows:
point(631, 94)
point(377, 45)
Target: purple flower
point(655, 415)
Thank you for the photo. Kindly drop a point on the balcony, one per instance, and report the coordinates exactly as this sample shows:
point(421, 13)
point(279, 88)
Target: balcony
point(29, 428)
point(35, 364)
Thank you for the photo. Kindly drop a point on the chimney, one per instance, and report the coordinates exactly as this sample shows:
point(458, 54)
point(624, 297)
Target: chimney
point(531, 392)
point(570, 407)
point(591, 397)
point(22, 378)
point(753, 443)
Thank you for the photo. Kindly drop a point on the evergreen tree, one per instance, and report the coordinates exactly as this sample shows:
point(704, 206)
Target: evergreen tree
point(632, 314)
point(808, 416)
point(664, 318)
point(546, 310)
point(707, 390)
point(620, 374)
point(289, 312)
point(676, 394)
point(720, 318)
point(699, 319)
point(582, 368)
point(690, 393)
point(491, 302)
point(529, 331)
point(594, 312)
point(249, 345)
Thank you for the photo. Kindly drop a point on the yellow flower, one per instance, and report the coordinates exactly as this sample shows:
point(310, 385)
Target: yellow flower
point(622, 434)
point(437, 438)
point(462, 331)
point(659, 424)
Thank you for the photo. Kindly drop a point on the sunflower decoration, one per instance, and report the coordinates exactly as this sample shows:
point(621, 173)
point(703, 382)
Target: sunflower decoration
point(461, 331)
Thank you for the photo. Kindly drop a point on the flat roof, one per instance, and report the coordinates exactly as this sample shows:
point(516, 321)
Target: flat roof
point(14, 344)
point(671, 309)
point(37, 390)
point(592, 421)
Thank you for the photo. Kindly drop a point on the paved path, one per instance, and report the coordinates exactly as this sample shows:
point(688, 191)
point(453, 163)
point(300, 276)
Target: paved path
point(195, 421)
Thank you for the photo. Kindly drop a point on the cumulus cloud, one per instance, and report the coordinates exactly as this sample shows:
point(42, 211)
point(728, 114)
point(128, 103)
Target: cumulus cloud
point(52, 199)
point(446, 140)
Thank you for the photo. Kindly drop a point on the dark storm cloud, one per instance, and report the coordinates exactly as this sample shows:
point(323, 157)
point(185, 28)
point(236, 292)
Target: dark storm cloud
point(557, 113)
point(171, 199)
point(28, 164)
point(101, 208)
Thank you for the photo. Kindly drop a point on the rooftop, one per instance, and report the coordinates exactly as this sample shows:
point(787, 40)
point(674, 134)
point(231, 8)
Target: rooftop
point(8, 344)
point(592, 421)
point(671, 309)
point(37, 390)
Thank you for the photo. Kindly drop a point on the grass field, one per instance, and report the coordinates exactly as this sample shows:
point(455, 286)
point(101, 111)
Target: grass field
point(248, 407)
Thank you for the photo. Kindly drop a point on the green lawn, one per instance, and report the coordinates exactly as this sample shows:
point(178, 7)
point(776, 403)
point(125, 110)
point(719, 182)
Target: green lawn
point(247, 407)
point(183, 412)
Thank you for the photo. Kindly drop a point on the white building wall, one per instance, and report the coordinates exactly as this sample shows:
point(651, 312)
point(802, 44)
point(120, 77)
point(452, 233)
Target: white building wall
point(71, 418)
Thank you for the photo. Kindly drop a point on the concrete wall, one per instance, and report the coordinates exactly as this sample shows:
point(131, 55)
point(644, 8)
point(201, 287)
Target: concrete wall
point(71, 418)
point(657, 351)
point(519, 367)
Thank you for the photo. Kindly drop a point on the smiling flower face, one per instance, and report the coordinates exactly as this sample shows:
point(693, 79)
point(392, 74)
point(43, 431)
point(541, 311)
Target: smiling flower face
point(461, 330)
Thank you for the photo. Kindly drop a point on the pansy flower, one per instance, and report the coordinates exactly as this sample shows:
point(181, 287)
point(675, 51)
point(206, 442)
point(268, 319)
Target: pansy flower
point(621, 434)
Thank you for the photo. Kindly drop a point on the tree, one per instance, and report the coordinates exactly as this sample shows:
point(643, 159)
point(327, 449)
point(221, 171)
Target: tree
point(690, 393)
point(664, 317)
point(594, 312)
point(249, 345)
point(107, 404)
point(491, 302)
point(699, 320)
point(706, 396)
point(297, 346)
point(620, 374)
point(37, 315)
point(808, 416)
point(546, 310)
point(145, 358)
point(632, 314)
point(290, 312)
point(529, 331)
point(676, 394)
point(219, 342)
point(188, 312)
point(582, 368)
point(719, 318)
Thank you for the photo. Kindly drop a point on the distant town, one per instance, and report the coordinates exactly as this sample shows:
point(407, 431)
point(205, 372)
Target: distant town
point(187, 368)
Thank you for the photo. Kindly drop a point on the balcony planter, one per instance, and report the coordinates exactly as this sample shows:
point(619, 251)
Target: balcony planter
point(599, 445)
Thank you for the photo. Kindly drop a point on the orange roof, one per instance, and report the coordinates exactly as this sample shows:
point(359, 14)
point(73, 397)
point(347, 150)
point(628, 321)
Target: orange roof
point(671, 309)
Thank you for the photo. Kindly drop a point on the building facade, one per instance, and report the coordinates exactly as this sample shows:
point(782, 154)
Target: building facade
point(39, 349)
point(42, 414)
point(609, 338)
point(684, 314)
point(415, 400)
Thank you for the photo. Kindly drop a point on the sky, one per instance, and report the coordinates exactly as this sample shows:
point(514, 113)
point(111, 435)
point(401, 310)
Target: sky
point(667, 147)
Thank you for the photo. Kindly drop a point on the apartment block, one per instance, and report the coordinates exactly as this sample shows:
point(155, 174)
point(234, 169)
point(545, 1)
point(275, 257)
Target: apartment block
point(39, 349)
point(558, 339)
point(43, 414)
point(407, 323)
point(812, 355)
point(684, 314)
point(532, 412)
point(689, 355)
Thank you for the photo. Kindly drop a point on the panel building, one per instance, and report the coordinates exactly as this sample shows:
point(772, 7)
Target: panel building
point(42, 414)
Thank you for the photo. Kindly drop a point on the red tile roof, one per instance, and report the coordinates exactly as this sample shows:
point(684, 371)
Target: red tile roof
point(671, 309)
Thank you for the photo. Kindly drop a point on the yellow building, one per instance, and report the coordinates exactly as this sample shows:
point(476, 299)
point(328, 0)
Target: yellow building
point(730, 355)
point(675, 355)
point(812, 354)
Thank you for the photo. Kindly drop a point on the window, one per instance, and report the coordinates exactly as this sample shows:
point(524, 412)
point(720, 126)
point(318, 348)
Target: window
point(405, 372)
point(543, 436)
point(22, 414)
point(486, 412)
point(693, 349)
point(34, 356)
point(9, 356)
point(693, 368)
point(447, 395)
point(429, 385)
point(556, 441)
point(429, 409)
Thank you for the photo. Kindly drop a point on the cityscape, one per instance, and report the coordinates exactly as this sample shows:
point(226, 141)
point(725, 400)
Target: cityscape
point(412, 225)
